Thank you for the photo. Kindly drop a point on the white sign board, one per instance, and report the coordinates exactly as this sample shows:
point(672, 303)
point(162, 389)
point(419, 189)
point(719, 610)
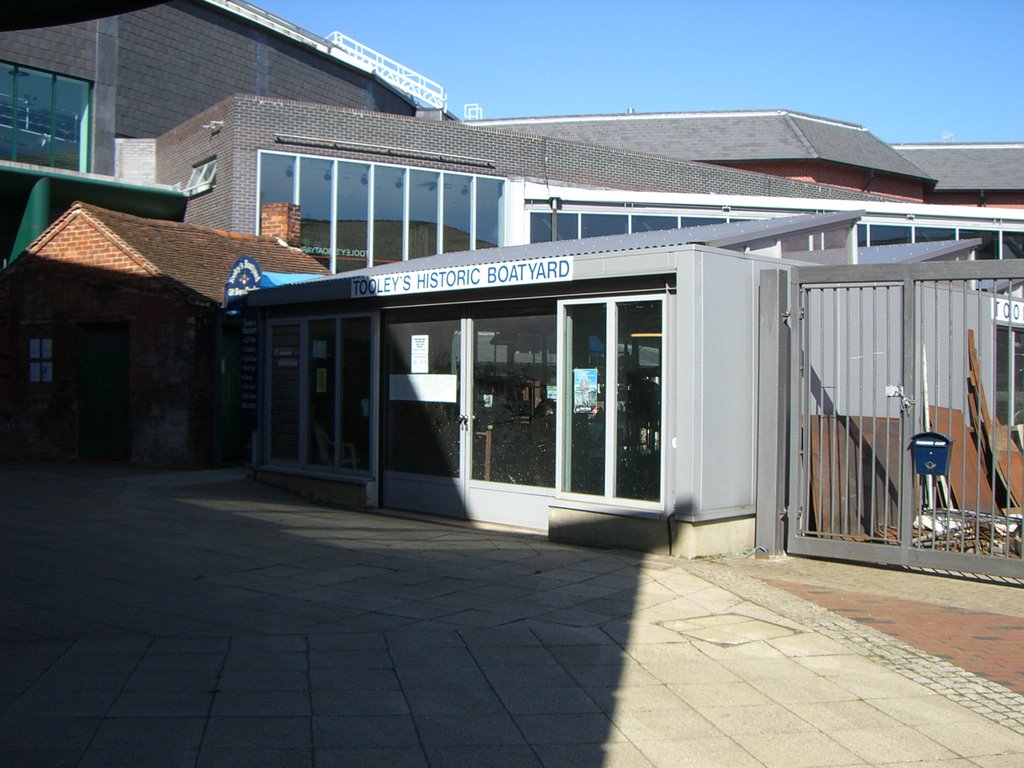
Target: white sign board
point(1008, 311)
point(501, 275)
point(419, 361)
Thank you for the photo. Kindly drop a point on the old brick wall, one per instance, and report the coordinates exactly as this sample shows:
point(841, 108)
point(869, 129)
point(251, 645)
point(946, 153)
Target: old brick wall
point(841, 176)
point(81, 278)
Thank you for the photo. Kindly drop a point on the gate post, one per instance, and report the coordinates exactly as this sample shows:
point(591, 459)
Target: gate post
point(772, 410)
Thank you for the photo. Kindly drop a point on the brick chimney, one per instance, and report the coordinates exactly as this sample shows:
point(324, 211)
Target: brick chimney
point(283, 221)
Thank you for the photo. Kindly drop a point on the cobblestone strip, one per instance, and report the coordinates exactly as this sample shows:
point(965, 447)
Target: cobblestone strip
point(978, 694)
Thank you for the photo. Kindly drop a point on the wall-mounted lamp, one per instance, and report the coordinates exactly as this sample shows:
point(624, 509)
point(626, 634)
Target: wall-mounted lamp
point(214, 126)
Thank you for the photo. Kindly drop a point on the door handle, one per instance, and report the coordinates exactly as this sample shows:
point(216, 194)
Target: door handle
point(463, 420)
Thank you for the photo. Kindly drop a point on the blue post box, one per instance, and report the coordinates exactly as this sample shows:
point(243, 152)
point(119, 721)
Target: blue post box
point(931, 452)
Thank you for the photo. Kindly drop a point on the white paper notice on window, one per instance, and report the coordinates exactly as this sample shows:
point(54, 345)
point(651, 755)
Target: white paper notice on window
point(419, 361)
point(424, 387)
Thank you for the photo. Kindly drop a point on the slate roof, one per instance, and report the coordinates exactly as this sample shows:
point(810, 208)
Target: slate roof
point(197, 259)
point(725, 137)
point(969, 166)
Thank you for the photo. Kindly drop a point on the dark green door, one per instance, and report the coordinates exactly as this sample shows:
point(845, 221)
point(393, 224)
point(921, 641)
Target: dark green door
point(104, 413)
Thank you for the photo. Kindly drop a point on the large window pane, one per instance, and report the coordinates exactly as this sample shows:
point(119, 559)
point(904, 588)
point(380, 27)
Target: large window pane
point(700, 221)
point(423, 197)
point(598, 224)
point(33, 117)
point(71, 124)
point(315, 183)
point(277, 179)
point(887, 234)
point(458, 201)
point(644, 223)
point(350, 229)
point(1013, 245)
point(933, 234)
point(422, 416)
point(322, 385)
point(355, 393)
point(638, 405)
point(584, 406)
point(490, 210)
point(514, 383)
point(284, 392)
point(388, 214)
point(8, 75)
point(540, 226)
point(989, 243)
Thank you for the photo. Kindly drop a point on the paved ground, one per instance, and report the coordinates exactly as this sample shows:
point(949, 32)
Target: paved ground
point(176, 619)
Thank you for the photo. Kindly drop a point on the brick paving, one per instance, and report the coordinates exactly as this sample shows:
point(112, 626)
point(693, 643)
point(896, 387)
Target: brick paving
point(987, 644)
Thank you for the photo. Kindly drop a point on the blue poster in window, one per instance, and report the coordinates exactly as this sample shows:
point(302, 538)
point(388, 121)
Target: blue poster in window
point(584, 389)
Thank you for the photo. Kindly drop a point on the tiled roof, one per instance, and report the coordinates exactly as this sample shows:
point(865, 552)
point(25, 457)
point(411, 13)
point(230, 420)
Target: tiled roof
point(969, 166)
point(196, 258)
point(725, 137)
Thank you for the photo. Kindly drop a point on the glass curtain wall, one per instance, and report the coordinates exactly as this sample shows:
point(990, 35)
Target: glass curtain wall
point(44, 118)
point(353, 215)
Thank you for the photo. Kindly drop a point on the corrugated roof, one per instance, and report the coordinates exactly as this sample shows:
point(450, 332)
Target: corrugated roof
point(969, 166)
point(196, 258)
point(725, 137)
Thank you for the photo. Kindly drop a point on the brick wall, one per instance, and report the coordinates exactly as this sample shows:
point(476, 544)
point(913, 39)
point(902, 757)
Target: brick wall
point(252, 124)
point(1008, 199)
point(283, 221)
point(78, 278)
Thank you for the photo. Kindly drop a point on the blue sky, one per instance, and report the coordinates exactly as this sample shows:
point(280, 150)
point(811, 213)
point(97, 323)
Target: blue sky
point(907, 71)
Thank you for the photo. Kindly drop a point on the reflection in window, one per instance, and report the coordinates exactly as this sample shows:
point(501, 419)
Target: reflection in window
point(388, 214)
point(1009, 357)
point(44, 118)
point(284, 388)
point(887, 234)
point(490, 212)
point(350, 229)
point(315, 185)
point(989, 242)
point(599, 224)
point(322, 373)
point(354, 396)
point(423, 201)
point(700, 221)
point(1013, 245)
point(653, 223)
point(458, 203)
point(514, 391)
point(277, 179)
point(584, 406)
point(933, 234)
point(638, 404)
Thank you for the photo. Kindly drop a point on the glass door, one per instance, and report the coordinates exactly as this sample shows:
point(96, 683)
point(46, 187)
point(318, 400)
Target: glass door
point(473, 440)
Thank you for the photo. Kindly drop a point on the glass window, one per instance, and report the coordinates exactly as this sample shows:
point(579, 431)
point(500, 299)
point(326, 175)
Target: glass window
point(1009, 357)
point(315, 186)
point(356, 379)
point(458, 204)
point(70, 124)
point(644, 223)
point(277, 179)
point(322, 374)
point(33, 117)
point(44, 118)
point(887, 234)
point(514, 394)
point(638, 402)
point(540, 226)
point(1013, 245)
point(490, 212)
point(598, 224)
point(933, 234)
point(862, 235)
point(585, 369)
point(284, 392)
point(989, 242)
point(350, 228)
point(423, 201)
point(388, 214)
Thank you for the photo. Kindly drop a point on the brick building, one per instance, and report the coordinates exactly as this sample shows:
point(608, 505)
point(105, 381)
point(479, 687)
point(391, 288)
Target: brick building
point(118, 345)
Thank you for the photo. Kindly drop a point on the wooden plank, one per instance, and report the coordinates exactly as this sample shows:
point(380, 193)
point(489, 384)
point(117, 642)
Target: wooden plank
point(969, 482)
point(1006, 473)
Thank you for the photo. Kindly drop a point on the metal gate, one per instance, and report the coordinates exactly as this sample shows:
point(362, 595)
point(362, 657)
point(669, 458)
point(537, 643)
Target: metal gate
point(880, 354)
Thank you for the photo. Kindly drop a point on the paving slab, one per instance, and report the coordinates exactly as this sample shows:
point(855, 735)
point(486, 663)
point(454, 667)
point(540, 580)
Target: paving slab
point(201, 619)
